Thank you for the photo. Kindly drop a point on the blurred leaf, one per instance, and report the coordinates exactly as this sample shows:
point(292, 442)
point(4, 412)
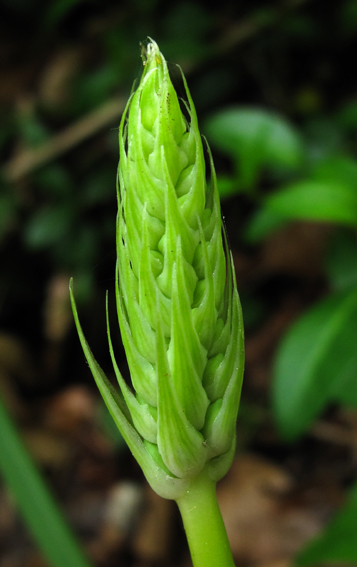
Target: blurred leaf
point(227, 186)
point(348, 17)
point(94, 88)
point(262, 224)
point(188, 50)
point(32, 130)
point(48, 226)
point(324, 138)
point(55, 180)
point(99, 187)
point(347, 116)
point(254, 310)
point(341, 169)
point(85, 286)
point(312, 360)
point(264, 16)
point(122, 51)
point(79, 248)
point(344, 390)
point(257, 137)
point(299, 26)
point(186, 20)
point(35, 501)
point(341, 260)
point(316, 200)
point(337, 544)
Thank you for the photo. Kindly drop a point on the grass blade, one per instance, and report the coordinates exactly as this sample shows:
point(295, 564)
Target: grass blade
point(35, 500)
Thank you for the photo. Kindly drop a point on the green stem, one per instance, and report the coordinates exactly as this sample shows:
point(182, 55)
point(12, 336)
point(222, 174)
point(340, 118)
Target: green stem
point(205, 530)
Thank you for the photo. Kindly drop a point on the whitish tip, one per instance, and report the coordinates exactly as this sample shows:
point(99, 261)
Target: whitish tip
point(152, 47)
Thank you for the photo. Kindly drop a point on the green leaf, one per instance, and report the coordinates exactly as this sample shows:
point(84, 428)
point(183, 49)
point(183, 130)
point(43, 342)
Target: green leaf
point(341, 259)
point(35, 501)
point(54, 180)
point(340, 169)
point(186, 20)
point(313, 362)
point(337, 544)
point(257, 137)
point(328, 201)
point(347, 116)
point(48, 226)
point(344, 389)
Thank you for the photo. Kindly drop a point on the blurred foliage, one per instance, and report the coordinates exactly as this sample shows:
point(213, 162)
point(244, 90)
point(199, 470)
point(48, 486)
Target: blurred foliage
point(316, 363)
point(308, 374)
point(275, 94)
point(40, 511)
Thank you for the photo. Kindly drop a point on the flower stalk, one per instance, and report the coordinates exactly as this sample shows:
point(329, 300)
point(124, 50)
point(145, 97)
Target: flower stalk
point(178, 310)
point(203, 523)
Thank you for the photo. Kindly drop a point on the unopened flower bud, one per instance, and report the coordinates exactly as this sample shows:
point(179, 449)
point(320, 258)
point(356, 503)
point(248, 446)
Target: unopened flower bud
point(178, 307)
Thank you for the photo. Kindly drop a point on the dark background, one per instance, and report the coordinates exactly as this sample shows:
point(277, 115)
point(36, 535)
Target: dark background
point(66, 71)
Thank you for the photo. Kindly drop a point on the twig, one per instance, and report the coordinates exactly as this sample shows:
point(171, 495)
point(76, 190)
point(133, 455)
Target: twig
point(30, 159)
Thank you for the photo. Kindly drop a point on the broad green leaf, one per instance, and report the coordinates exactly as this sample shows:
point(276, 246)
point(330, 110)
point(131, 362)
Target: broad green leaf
point(344, 390)
point(341, 259)
point(328, 201)
point(337, 544)
point(340, 169)
point(257, 137)
point(313, 362)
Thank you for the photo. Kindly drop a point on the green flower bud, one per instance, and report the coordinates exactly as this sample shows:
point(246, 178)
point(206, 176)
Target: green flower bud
point(178, 306)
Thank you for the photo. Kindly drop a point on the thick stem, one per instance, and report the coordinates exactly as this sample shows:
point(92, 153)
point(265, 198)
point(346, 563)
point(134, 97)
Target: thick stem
point(205, 530)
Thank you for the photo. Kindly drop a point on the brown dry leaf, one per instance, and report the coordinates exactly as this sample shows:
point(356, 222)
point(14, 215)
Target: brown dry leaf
point(261, 527)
